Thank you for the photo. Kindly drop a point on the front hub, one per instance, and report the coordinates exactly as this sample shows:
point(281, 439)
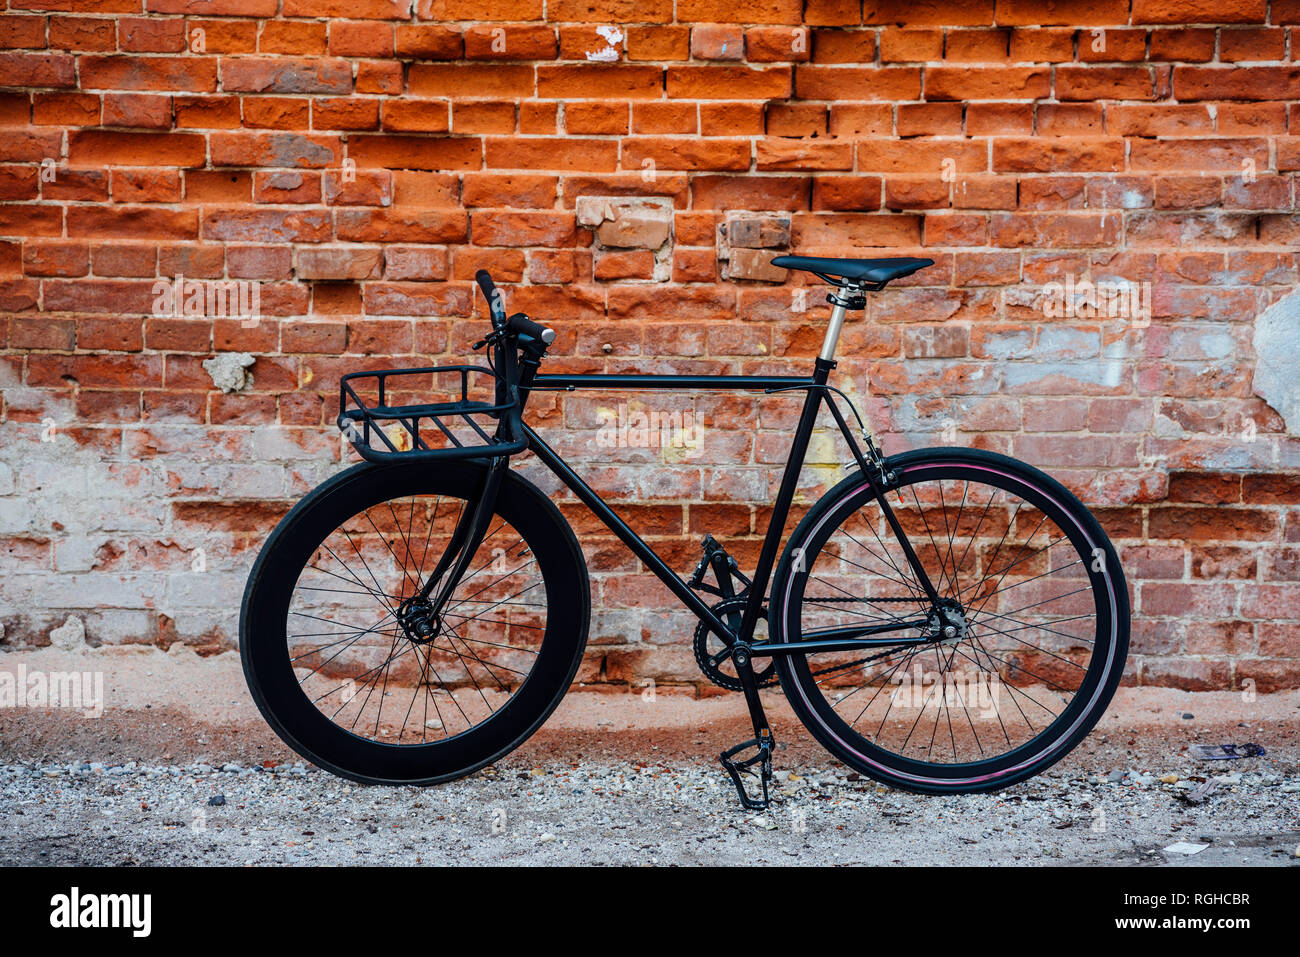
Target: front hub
point(418, 621)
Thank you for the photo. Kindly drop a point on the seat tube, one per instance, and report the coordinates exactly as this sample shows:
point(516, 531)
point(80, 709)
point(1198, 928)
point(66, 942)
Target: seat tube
point(833, 330)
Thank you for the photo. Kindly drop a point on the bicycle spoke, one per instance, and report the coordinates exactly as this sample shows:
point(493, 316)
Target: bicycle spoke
point(962, 698)
point(376, 681)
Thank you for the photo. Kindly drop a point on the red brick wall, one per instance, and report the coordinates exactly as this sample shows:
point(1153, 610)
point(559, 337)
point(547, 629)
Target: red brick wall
point(363, 167)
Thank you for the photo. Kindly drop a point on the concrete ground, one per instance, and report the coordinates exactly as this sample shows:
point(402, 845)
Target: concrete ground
point(180, 769)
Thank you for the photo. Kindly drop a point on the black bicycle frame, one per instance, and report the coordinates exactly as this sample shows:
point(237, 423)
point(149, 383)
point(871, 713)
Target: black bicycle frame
point(841, 639)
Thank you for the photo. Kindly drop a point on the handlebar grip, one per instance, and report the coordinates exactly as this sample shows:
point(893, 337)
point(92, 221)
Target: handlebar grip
point(490, 294)
point(521, 323)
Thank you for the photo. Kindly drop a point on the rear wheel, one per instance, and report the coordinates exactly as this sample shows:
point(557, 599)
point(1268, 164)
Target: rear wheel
point(1036, 589)
point(350, 680)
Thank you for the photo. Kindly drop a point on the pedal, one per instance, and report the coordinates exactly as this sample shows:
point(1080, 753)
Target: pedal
point(763, 758)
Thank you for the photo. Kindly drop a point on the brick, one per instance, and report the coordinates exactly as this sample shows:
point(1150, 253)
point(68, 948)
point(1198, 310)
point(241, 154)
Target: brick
point(673, 118)
point(595, 118)
point(658, 43)
point(379, 77)
point(218, 186)
point(338, 262)
point(286, 75)
point(296, 37)
point(138, 110)
point(786, 45)
point(463, 80)
point(362, 161)
point(429, 41)
point(715, 41)
point(496, 228)
point(411, 152)
point(81, 34)
point(409, 116)
point(599, 80)
point(906, 46)
point(19, 32)
point(510, 43)
point(1197, 11)
point(286, 186)
point(136, 149)
point(344, 113)
point(360, 38)
point(206, 112)
point(151, 35)
point(554, 154)
point(731, 119)
point(292, 150)
point(223, 36)
point(802, 155)
point(188, 74)
point(1058, 155)
point(37, 69)
point(725, 82)
point(986, 83)
point(686, 154)
point(1236, 83)
point(361, 9)
point(382, 226)
point(146, 186)
point(1111, 83)
point(1041, 45)
point(813, 82)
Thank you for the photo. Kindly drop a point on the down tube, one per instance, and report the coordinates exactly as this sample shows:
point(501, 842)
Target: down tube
point(630, 538)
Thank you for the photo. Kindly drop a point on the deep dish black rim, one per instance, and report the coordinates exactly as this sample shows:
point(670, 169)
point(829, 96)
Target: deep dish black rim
point(304, 726)
point(942, 548)
point(461, 677)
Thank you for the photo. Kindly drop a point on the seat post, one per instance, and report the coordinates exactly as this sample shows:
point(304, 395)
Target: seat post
point(840, 304)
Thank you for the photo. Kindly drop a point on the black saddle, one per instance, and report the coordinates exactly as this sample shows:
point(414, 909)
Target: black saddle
point(873, 272)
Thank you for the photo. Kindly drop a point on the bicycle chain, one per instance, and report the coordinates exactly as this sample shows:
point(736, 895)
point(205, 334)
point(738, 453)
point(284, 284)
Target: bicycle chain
point(870, 658)
point(875, 601)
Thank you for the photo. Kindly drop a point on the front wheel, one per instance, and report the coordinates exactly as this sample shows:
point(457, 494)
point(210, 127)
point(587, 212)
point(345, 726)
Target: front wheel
point(353, 681)
point(1027, 577)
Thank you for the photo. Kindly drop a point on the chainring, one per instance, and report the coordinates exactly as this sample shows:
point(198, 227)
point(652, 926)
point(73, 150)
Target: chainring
point(704, 655)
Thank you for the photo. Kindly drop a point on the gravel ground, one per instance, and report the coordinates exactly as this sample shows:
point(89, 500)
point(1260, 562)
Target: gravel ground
point(588, 814)
point(180, 769)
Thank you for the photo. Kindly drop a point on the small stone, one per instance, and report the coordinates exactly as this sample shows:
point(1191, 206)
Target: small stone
point(229, 371)
point(547, 838)
point(70, 636)
point(1169, 779)
point(217, 800)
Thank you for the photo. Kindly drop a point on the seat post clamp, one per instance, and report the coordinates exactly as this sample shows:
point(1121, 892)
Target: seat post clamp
point(853, 300)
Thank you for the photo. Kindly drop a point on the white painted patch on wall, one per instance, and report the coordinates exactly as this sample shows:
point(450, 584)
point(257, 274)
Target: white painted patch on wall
point(1277, 351)
point(609, 54)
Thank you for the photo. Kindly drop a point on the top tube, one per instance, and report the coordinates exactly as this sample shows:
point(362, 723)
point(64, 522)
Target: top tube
point(615, 380)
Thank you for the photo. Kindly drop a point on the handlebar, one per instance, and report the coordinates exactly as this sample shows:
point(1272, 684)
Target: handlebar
point(516, 324)
point(496, 306)
point(519, 323)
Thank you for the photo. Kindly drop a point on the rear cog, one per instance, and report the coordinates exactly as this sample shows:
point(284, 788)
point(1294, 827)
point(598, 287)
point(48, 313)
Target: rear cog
point(714, 657)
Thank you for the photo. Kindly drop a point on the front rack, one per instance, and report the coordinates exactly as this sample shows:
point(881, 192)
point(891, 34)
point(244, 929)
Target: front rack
point(421, 432)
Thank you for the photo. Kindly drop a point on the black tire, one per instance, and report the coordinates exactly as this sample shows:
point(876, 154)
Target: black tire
point(526, 699)
point(809, 684)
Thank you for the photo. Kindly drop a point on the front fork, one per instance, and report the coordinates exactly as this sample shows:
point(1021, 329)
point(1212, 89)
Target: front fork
point(421, 614)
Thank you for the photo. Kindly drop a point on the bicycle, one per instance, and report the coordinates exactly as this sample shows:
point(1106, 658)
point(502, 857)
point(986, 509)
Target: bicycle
point(944, 620)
